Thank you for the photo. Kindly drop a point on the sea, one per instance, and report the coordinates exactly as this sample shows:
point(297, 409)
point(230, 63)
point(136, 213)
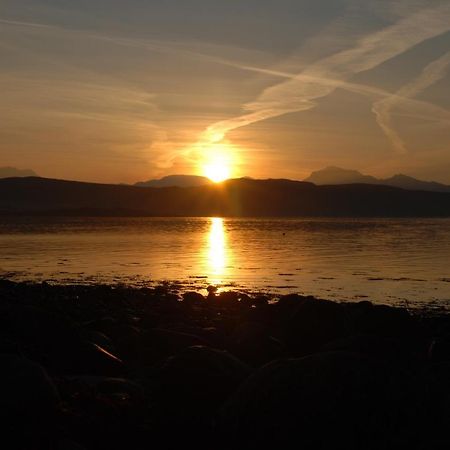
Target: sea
point(401, 262)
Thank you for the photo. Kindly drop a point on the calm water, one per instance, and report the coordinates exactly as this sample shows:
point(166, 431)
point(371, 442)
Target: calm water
point(390, 261)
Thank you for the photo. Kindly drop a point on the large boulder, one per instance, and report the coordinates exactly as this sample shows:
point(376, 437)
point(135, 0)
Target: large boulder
point(314, 323)
point(381, 320)
point(335, 400)
point(191, 386)
point(29, 404)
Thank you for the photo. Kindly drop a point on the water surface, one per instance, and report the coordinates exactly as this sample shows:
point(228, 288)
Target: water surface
point(395, 261)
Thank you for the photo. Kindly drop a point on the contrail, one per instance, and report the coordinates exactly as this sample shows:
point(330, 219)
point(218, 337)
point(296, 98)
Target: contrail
point(171, 47)
point(26, 24)
point(154, 45)
point(301, 90)
point(300, 93)
point(431, 74)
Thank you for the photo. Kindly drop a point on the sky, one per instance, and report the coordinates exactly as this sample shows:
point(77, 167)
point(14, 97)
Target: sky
point(120, 91)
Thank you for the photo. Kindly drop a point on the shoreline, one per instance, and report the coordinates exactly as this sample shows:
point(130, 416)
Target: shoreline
point(199, 284)
point(93, 367)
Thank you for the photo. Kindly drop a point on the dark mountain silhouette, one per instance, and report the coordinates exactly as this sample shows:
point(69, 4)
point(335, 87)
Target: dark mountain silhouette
point(406, 182)
point(240, 197)
point(335, 175)
point(176, 180)
point(9, 172)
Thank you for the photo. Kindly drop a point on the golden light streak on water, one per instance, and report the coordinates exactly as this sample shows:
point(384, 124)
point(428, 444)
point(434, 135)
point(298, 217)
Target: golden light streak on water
point(217, 250)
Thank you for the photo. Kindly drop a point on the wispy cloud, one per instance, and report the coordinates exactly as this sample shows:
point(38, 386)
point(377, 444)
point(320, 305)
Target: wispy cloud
point(382, 109)
point(26, 24)
point(301, 92)
point(171, 47)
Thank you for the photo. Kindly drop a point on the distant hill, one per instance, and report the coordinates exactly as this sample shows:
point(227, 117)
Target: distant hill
point(406, 182)
point(176, 180)
point(240, 197)
point(10, 172)
point(335, 175)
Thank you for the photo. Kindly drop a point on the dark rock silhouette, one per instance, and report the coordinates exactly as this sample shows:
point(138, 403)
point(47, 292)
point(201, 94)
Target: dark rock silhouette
point(29, 404)
point(335, 400)
point(111, 367)
point(190, 387)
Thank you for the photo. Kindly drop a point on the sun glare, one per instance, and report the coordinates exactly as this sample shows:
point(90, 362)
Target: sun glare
point(217, 172)
point(219, 163)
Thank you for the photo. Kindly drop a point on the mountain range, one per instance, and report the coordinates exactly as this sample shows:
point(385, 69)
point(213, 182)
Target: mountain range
point(335, 175)
point(328, 176)
point(176, 180)
point(9, 172)
point(233, 198)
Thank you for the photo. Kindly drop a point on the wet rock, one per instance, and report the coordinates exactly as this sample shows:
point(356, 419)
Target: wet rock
point(91, 359)
point(228, 298)
point(29, 403)
point(253, 343)
point(158, 344)
point(191, 386)
point(437, 409)
point(98, 338)
point(439, 350)
point(193, 298)
point(380, 320)
point(38, 328)
point(211, 292)
point(333, 400)
point(69, 445)
point(103, 412)
point(314, 323)
point(396, 351)
point(288, 304)
point(126, 396)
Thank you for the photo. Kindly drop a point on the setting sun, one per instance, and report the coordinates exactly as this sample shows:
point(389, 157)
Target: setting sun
point(217, 172)
point(219, 163)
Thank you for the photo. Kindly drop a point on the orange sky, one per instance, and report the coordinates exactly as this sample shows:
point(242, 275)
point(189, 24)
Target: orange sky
point(116, 91)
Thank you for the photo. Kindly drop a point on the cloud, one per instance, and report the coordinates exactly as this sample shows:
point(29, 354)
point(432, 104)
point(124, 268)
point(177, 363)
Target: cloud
point(27, 24)
point(431, 74)
point(171, 47)
point(301, 92)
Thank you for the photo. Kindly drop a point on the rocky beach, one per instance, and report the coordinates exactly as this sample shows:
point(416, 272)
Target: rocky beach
point(114, 367)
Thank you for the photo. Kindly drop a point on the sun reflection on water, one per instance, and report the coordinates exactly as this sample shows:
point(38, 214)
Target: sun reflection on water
point(217, 250)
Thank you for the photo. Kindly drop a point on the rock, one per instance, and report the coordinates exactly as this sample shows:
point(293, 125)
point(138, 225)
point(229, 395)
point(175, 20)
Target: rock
point(439, 350)
point(193, 298)
point(191, 386)
point(380, 320)
point(92, 359)
point(69, 445)
point(29, 404)
point(158, 344)
point(252, 342)
point(228, 298)
point(126, 396)
point(438, 406)
point(314, 323)
point(388, 349)
point(101, 339)
point(38, 330)
point(335, 400)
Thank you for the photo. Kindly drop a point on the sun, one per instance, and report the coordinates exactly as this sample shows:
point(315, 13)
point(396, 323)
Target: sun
point(217, 172)
point(218, 164)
